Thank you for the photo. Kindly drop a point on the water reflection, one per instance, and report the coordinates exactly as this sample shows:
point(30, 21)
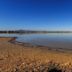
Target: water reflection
point(57, 40)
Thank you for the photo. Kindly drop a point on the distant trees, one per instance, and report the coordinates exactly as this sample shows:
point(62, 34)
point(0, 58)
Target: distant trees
point(28, 31)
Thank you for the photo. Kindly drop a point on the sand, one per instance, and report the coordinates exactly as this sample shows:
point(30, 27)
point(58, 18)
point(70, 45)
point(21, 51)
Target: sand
point(15, 54)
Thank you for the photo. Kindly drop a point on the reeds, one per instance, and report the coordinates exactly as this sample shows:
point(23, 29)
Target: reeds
point(28, 65)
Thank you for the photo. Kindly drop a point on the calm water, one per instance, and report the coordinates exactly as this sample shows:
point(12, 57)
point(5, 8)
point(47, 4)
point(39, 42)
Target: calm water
point(56, 40)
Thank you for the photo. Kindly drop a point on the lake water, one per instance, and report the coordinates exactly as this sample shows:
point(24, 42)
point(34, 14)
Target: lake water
point(55, 40)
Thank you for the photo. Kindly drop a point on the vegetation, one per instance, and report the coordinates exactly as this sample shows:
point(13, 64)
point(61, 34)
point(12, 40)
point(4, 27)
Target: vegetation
point(30, 31)
point(36, 66)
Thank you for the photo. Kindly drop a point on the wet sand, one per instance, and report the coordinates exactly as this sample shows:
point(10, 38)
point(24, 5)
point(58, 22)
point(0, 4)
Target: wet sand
point(14, 55)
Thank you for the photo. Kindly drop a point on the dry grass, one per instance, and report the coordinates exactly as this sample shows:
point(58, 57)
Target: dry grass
point(33, 65)
point(17, 58)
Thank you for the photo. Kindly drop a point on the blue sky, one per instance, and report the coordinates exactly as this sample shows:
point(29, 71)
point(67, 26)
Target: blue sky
point(36, 14)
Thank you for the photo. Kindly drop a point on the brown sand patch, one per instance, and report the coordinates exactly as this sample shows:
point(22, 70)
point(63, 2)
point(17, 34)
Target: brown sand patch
point(16, 57)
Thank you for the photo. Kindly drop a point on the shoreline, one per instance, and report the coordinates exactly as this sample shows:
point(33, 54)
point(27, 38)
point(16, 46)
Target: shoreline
point(13, 40)
point(15, 56)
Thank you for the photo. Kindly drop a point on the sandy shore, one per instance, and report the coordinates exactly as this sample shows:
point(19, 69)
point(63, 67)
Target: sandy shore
point(15, 55)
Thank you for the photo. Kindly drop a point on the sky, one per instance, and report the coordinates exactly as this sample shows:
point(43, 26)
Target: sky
point(36, 14)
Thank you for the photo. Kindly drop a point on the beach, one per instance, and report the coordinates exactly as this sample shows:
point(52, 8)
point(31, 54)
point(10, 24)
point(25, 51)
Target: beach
point(16, 57)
